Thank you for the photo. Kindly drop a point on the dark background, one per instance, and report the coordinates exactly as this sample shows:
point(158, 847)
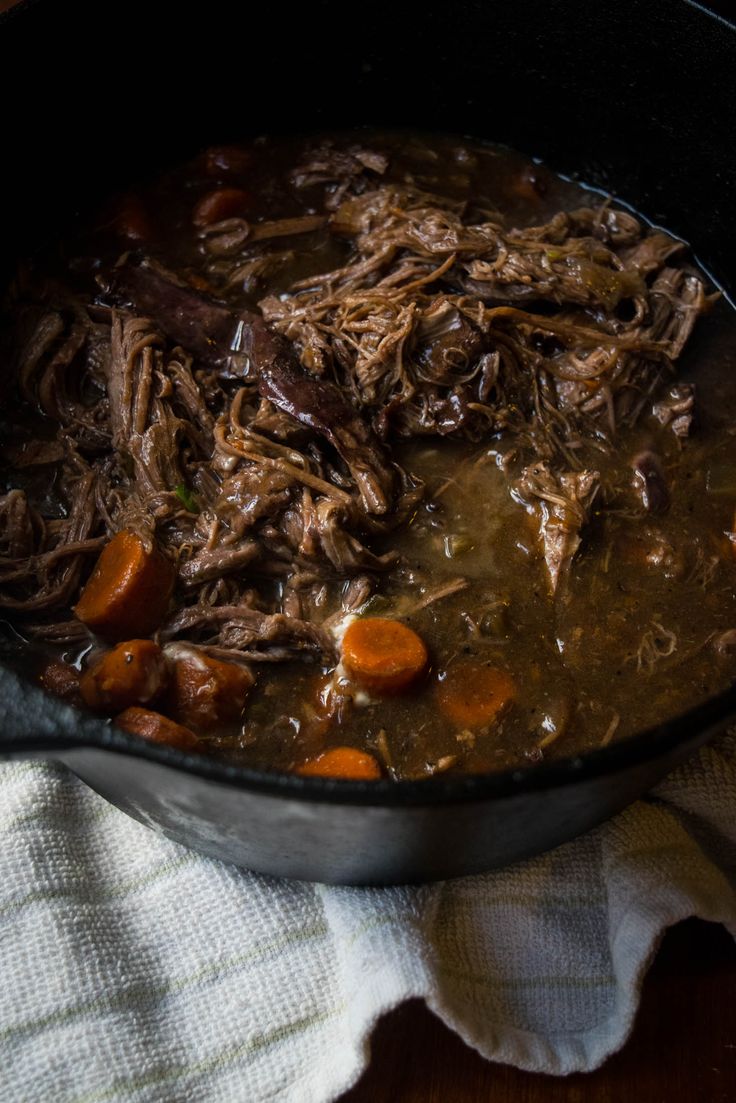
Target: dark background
point(632, 95)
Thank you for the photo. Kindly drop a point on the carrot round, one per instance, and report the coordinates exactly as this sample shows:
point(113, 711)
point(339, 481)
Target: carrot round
point(205, 692)
point(342, 762)
point(473, 695)
point(220, 204)
point(157, 728)
point(128, 592)
point(133, 673)
point(383, 655)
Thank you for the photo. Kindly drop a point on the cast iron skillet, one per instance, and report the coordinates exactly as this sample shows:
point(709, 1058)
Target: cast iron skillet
point(635, 97)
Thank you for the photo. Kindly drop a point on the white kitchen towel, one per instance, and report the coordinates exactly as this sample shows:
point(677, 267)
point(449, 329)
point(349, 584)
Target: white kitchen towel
point(134, 970)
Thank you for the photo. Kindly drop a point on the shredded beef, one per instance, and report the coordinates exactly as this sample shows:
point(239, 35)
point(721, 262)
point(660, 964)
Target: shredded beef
point(41, 562)
point(253, 445)
point(562, 503)
point(676, 409)
point(408, 324)
point(249, 631)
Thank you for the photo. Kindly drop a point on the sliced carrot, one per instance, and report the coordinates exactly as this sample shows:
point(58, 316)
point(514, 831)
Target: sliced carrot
point(62, 680)
point(383, 655)
point(133, 673)
point(220, 204)
point(473, 695)
point(157, 728)
point(205, 692)
point(128, 591)
point(344, 762)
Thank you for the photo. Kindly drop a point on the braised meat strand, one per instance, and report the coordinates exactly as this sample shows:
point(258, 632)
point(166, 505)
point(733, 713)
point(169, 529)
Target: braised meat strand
point(363, 456)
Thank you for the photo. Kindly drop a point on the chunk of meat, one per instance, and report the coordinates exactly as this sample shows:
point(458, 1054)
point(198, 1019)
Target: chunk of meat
point(319, 404)
point(41, 561)
point(213, 333)
point(157, 728)
point(34, 453)
point(17, 526)
point(133, 673)
point(384, 656)
point(62, 680)
point(257, 635)
point(251, 494)
point(286, 227)
point(144, 427)
point(203, 691)
point(128, 592)
point(652, 252)
point(344, 551)
point(204, 327)
point(676, 410)
point(447, 344)
point(343, 169)
point(342, 762)
point(212, 563)
point(562, 503)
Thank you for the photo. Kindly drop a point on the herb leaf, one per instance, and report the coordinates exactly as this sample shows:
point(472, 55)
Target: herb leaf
point(186, 497)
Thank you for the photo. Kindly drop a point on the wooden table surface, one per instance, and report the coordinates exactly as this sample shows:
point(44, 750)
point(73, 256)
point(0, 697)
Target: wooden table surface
point(682, 1050)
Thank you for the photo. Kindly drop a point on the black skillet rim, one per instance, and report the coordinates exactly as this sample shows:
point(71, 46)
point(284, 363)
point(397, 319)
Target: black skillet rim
point(635, 750)
point(695, 726)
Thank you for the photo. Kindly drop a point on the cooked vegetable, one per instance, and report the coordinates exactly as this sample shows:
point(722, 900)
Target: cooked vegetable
point(475, 694)
point(133, 673)
point(129, 589)
point(205, 692)
point(158, 729)
point(186, 497)
point(342, 762)
point(383, 656)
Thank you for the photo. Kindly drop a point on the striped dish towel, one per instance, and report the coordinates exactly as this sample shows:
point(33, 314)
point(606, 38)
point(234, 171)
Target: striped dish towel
point(134, 970)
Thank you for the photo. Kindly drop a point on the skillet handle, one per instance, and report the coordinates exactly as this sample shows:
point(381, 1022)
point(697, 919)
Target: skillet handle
point(35, 725)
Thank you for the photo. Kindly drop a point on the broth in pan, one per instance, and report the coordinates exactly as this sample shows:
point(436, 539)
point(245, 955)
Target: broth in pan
point(369, 455)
